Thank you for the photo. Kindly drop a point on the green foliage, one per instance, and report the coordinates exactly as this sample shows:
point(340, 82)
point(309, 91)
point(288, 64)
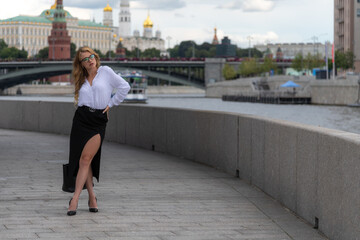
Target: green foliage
point(101, 55)
point(174, 52)
point(43, 53)
point(185, 47)
point(72, 50)
point(344, 60)
point(112, 54)
point(13, 53)
point(298, 62)
point(268, 65)
point(229, 72)
point(249, 68)
point(309, 62)
point(152, 52)
point(2, 44)
point(23, 54)
point(244, 52)
point(313, 61)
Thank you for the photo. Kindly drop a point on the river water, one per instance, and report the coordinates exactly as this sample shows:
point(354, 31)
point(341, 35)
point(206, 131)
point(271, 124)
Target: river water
point(334, 117)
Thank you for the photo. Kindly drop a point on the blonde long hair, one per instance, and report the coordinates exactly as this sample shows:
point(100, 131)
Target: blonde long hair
point(79, 72)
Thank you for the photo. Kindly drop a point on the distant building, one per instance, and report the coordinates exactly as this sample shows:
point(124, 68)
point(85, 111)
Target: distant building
point(226, 49)
point(290, 50)
point(124, 29)
point(279, 54)
point(347, 28)
point(148, 40)
point(31, 32)
point(108, 19)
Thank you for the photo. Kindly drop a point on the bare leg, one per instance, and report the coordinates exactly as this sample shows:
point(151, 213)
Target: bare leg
point(90, 189)
point(88, 153)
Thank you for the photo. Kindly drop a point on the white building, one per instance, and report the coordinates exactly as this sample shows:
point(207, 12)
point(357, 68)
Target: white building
point(108, 19)
point(148, 40)
point(124, 29)
point(290, 50)
point(31, 32)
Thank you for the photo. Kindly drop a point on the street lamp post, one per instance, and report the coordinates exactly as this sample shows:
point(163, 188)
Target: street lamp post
point(193, 49)
point(249, 38)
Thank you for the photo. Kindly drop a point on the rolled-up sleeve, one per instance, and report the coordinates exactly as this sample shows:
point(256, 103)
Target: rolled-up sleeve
point(122, 88)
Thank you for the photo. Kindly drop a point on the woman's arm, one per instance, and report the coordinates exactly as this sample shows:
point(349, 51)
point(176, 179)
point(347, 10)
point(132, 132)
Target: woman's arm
point(120, 84)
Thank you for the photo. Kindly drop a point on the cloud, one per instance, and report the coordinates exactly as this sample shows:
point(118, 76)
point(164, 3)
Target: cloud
point(249, 5)
point(90, 4)
point(258, 5)
point(135, 4)
point(158, 4)
point(256, 38)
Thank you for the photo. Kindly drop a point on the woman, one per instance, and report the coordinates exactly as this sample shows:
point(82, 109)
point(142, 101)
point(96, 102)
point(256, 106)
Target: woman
point(94, 85)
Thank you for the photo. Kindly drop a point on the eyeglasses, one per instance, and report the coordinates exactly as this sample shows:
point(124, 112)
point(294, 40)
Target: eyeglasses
point(88, 58)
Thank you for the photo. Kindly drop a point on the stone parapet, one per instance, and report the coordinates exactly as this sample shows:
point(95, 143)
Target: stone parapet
point(312, 171)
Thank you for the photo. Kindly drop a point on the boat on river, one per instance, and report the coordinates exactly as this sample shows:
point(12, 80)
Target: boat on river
point(138, 84)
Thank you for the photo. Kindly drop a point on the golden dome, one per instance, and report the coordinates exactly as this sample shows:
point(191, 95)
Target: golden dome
point(53, 6)
point(148, 23)
point(107, 8)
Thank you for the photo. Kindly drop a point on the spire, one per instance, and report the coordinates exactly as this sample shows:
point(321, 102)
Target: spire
point(59, 15)
point(215, 39)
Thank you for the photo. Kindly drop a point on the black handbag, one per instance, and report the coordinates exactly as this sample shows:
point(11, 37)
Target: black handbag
point(68, 181)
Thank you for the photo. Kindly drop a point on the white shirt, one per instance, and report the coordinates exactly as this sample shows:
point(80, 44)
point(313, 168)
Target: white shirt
point(98, 96)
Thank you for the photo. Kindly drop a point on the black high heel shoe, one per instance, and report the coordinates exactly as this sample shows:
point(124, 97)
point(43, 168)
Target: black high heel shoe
point(71, 212)
point(94, 210)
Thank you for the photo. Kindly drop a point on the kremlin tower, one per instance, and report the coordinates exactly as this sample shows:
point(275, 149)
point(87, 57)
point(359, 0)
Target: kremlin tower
point(215, 39)
point(59, 40)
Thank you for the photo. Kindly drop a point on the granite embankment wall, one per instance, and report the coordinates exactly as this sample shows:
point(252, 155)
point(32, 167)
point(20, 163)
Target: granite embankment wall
point(27, 89)
point(312, 171)
point(324, 92)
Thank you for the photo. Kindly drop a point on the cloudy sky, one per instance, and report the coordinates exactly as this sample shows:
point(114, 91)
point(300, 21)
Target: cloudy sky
point(266, 21)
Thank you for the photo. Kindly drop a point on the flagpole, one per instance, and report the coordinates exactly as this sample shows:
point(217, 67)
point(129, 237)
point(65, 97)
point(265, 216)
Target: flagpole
point(326, 57)
point(333, 60)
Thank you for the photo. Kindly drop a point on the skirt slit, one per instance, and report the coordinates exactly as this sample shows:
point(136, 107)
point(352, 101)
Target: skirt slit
point(86, 125)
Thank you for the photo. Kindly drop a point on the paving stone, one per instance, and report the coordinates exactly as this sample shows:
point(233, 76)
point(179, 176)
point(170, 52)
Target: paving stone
point(142, 195)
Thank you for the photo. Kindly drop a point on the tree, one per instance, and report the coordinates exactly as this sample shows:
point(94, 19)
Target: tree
point(298, 62)
point(244, 52)
point(101, 55)
point(23, 54)
point(249, 67)
point(152, 52)
point(2, 44)
point(350, 58)
point(72, 50)
point(268, 65)
point(43, 53)
point(313, 61)
point(229, 72)
point(12, 53)
point(184, 46)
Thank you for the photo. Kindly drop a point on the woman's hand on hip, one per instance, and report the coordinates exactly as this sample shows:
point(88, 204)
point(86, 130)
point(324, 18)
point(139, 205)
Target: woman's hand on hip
point(107, 109)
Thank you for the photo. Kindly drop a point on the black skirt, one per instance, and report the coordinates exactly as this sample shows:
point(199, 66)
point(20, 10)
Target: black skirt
point(87, 122)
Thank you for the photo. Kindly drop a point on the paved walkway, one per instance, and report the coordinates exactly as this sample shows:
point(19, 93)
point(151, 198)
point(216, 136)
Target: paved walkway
point(141, 195)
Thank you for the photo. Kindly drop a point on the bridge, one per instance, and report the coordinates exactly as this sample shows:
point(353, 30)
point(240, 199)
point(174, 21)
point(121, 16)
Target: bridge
point(193, 73)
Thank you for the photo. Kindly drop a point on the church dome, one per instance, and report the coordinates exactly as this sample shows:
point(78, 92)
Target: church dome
point(107, 8)
point(49, 13)
point(148, 23)
point(53, 6)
